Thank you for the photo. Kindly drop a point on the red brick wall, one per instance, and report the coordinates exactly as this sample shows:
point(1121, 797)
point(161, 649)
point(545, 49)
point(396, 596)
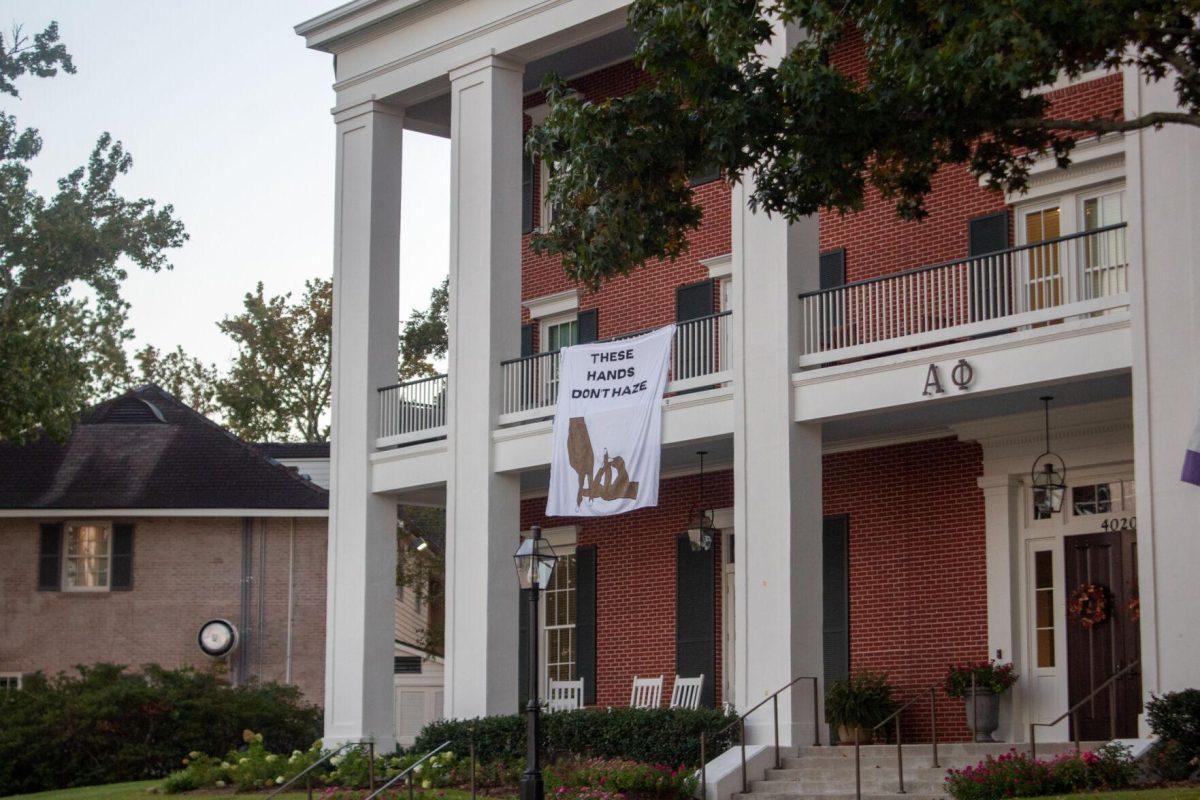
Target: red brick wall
point(648, 298)
point(185, 571)
point(635, 583)
point(918, 594)
point(878, 242)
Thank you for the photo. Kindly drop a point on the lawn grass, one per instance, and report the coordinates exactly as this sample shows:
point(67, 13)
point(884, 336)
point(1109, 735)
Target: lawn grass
point(139, 790)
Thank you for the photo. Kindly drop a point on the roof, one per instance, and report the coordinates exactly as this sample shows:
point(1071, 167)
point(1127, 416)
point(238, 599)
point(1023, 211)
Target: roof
point(147, 450)
point(292, 450)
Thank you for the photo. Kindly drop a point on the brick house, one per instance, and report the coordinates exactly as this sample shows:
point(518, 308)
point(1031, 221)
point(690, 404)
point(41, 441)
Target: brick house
point(867, 391)
point(149, 520)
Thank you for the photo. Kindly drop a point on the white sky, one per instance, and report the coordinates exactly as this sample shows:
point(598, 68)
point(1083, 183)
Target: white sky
point(226, 115)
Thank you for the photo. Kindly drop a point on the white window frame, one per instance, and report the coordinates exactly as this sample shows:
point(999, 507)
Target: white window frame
point(548, 322)
point(563, 540)
point(66, 556)
point(5, 677)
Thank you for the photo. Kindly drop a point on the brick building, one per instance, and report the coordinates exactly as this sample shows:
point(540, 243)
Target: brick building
point(867, 392)
point(117, 544)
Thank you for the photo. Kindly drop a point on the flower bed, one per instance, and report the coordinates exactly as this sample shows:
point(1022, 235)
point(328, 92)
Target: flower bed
point(1017, 775)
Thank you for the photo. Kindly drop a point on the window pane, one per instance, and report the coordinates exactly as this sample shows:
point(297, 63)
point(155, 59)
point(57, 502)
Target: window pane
point(1045, 608)
point(1096, 499)
point(1045, 648)
point(1043, 565)
point(87, 540)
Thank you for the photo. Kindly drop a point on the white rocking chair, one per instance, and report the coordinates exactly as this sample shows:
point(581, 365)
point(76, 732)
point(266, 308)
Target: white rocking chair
point(565, 695)
point(647, 692)
point(686, 692)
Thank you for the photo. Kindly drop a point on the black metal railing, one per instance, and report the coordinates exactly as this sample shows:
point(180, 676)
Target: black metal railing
point(308, 772)
point(740, 723)
point(895, 717)
point(1072, 712)
point(407, 773)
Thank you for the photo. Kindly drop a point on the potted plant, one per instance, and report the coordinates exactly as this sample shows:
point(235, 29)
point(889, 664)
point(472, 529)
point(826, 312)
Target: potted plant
point(857, 704)
point(983, 708)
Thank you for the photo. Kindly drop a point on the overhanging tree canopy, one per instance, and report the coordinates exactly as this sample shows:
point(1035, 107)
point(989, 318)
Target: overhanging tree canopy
point(944, 83)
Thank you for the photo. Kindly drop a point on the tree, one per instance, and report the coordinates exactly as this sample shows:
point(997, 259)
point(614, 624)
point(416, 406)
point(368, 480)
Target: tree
point(423, 571)
point(62, 263)
point(186, 377)
point(423, 336)
point(278, 386)
point(945, 83)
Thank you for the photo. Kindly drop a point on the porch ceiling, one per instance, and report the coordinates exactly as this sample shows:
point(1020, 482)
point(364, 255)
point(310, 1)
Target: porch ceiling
point(924, 417)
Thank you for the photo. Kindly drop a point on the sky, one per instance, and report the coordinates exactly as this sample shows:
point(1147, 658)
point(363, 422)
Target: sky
point(226, 115)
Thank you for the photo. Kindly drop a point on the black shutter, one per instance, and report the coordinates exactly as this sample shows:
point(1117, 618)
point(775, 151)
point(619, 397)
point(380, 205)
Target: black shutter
point(122, 558)
point(523, 651)
point(695, 617)
point(527, 194)
point(835, 562)
point(694, 300)
point(585, 620)
point(50, 558)
point(526, 340)
point(589, 325)
point(833, 268)
point(990, 282)
point(987, 234)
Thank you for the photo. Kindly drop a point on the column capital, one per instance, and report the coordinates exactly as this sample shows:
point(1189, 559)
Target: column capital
point(362, 108)
point(489, 61)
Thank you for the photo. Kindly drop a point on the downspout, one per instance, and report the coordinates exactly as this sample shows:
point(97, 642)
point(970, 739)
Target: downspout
point(287, 669)
point(262, 595)
point(244, 622)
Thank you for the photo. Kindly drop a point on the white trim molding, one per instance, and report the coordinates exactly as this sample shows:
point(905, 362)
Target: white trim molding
point(719, 266)
point(552, 304)
point(54, 513)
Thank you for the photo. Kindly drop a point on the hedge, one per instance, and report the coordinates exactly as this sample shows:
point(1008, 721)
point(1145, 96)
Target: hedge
point(653, 736)
point(107, 725)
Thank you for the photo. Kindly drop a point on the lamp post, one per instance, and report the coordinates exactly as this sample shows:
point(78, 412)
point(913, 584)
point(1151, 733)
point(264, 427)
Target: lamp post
point(535, 564)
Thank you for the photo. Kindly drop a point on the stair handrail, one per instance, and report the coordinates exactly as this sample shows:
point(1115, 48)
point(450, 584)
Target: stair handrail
point(740, 722)
point(408, 772)
point(1109, 684)
point(307, 771)
point(895, 715)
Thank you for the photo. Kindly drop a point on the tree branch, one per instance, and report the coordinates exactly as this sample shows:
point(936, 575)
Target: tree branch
point(1109, 125)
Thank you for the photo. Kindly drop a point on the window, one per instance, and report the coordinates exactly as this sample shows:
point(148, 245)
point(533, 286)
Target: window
point(9, 682)
point(88, 550)
point(1104, 256)
point(1045, 287)
point(559, 621)
point(1043, 595)
point(406, 665)
point(1094, 499)
point(557, 334)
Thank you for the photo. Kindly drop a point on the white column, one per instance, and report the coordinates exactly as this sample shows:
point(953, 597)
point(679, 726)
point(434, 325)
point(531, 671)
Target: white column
point(1163, 174)
point(777, 469)
point(362, 525)
point(1002, 554)
point(482, 507)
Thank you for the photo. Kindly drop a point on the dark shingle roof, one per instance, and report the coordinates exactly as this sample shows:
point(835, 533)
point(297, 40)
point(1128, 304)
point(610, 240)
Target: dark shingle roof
point(147, 450)
point(293, 449)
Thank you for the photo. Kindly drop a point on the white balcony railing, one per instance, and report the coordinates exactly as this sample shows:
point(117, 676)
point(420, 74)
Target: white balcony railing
point(413, 411)
point(1071, 276)
point(699, 358)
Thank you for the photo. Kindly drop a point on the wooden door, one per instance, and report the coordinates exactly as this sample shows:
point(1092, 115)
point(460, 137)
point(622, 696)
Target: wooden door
point(1108, 560)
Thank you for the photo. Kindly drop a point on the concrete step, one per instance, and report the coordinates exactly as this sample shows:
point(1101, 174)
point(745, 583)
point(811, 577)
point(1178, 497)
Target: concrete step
point(839, 786)
point(880, 771)
point(840, 796)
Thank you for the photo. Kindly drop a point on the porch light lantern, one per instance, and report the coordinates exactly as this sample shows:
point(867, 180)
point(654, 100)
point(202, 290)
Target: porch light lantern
point(534, 560)
point(701, 531)
point(1049, 474)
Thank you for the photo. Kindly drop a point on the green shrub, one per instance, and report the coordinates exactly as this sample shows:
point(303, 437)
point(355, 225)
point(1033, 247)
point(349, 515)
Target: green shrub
point(1017, 775)
point(1175, 719)
point(652, 736)
point(863, 700)
point(618, 775)
point(107, 725)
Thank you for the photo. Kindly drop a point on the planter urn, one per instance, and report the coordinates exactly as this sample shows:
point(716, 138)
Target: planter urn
point(987, 704)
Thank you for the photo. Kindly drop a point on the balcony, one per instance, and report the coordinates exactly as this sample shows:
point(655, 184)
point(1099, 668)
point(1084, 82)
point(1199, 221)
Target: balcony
point(699, 359)
point(1075, 276)
point(415, 411)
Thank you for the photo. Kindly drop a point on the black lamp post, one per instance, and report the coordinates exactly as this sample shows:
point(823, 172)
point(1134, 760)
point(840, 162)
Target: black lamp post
point(535, 564)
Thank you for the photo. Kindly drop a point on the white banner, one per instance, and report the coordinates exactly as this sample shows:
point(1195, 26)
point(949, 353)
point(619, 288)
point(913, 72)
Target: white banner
point(608, 426)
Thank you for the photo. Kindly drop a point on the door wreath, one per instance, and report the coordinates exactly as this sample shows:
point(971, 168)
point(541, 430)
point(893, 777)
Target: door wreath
point(1089, 605)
